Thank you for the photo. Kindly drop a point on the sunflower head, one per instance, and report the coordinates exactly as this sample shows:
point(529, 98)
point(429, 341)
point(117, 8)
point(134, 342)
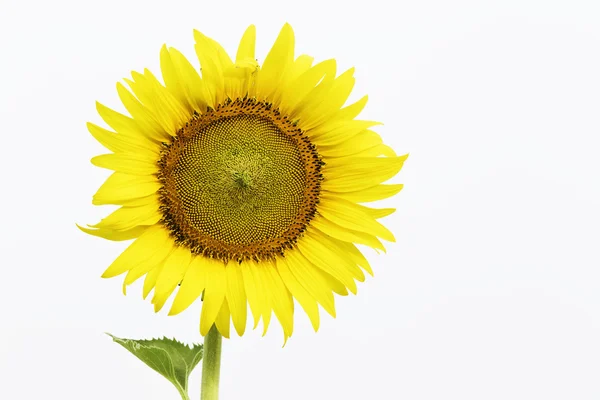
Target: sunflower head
point(243, 185)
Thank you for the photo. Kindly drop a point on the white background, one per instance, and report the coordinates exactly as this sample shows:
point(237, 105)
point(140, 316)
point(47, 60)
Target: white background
point(491, 291)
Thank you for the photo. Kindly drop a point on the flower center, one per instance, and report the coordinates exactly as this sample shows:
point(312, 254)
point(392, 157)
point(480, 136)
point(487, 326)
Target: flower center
point(239, 182)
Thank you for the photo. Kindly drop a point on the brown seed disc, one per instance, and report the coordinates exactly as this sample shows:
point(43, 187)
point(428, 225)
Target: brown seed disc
point(239, 182)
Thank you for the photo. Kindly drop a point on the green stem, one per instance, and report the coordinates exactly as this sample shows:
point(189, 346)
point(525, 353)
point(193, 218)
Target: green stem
point(211, 365)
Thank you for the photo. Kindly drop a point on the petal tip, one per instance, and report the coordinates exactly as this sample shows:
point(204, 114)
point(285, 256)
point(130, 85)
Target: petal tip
point(173, 311)
point(105, 275)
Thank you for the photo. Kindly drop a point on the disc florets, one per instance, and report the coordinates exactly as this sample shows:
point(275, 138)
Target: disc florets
point(239, 182)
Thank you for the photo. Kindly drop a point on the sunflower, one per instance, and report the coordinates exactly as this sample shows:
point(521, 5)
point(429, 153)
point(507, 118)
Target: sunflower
point(242, 185)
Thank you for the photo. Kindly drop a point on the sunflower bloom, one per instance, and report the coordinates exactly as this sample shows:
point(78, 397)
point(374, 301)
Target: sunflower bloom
point(243, 185)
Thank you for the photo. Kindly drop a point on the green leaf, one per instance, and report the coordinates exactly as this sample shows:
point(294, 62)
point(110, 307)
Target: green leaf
point(170, 358)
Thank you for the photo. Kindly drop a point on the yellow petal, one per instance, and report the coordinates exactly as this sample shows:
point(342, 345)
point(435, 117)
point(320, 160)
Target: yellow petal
point(122, 124)
point(141, 201)
point(236, 296)
point(317, 95)
point(325, 258)
point(214, 84)
point(223, 320)
point(247, 45)
point(280, 57)
point(115, 235)
point(337, 96)
point(240, 77)
point(172, 273)
point(291, 74)
point(341, 90)
point(350, 174)
point(300, 66)
point(250, 288)
point(348, 235)
point(192, 285)
point(350, 112)
point(350, 215)
point(175, 79)
point(152, 261)
point(129, 217)
point(214, 294)
point(150, 281)
point(120, 143)
point(337, 133)
point(127, 163)
point(310, 278)
point(376, 151)
point(108, 139)
point(333, 283)
point(163, 106)
point(353, 144)
point(374, 193)
point(171, 76)
point(167, 105)
point(262, 285)
point(142, 116)
point(214, 61)
point(190, 80)
point(144, 247)
point(221, 55)
point(120, 188)
point(377, 213)
point(307, 302)
point(303, 85)
point(281, 299)
point(340, 248)
point(357, 257)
